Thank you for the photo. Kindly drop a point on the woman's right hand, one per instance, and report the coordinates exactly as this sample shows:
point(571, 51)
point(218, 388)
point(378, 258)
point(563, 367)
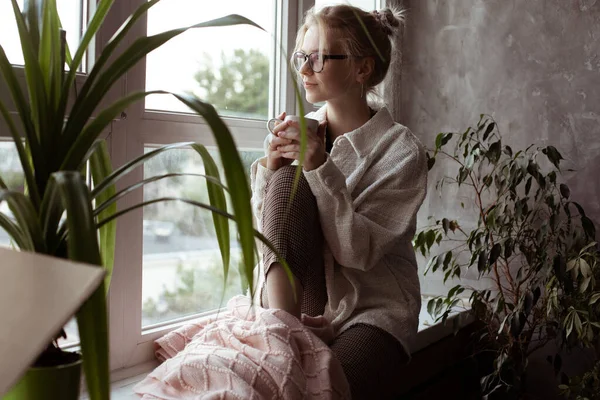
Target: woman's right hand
point(274, 158)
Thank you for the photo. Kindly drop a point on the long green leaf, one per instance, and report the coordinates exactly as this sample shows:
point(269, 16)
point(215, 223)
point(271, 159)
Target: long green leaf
point(216, 196)
point(86, 104)
point(100, 207)
point(84, 141)
point(256, 233)
point(26, 218)
point(14, 232)
point(125, 169)
point(123, 192)
point(49, 44)
point(83, 247)
point(101, 167)
point(37, 94)
point(102, 9)
point(235, 177)
point(32, 12)
point(51, 212)
point(25, 116)
point(23, 157)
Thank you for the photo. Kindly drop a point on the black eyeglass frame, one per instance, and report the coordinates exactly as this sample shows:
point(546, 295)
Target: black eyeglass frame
point(310, 63)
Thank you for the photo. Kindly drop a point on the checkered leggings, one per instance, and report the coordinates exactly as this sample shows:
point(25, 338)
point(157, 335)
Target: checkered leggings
point(372, 359)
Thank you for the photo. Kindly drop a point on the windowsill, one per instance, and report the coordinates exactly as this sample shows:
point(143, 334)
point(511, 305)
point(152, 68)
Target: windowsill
point(124, 380)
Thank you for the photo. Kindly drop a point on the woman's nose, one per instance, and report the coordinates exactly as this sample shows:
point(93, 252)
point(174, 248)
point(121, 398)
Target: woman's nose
point(305, 69)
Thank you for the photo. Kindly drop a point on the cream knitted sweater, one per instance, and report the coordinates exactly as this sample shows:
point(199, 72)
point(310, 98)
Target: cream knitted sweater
point(368, 193)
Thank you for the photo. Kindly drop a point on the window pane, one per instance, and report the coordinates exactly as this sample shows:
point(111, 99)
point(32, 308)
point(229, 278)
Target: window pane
point(70, 12)
point(12, 174)
point(367, 5)
point(182, 268)
point(227, 66)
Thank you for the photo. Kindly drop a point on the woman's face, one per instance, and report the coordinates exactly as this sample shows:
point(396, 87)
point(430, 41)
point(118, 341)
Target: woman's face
point(334, 81)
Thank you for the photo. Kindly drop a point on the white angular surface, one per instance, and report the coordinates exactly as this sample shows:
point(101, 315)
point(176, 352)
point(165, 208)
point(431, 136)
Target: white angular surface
point(38, 295)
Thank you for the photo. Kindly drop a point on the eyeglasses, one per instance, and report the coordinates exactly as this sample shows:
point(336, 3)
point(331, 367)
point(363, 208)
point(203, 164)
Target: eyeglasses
point(316, 61)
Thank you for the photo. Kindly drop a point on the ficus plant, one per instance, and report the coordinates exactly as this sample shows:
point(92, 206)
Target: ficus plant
point(57, 133)
point(531, 247)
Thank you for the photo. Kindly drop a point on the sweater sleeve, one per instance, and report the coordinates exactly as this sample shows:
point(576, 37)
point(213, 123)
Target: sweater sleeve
point(359, 238)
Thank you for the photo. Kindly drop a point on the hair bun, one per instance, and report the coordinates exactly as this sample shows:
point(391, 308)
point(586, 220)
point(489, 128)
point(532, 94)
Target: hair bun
point(389, 19)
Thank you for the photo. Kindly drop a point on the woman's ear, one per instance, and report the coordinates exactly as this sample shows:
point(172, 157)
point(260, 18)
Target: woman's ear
point(365, 69)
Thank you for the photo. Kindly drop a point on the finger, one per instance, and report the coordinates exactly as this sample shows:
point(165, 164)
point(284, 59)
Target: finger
point(289, 148)
point(280, 126)
point(281, 116)
point(292, 155)
point(277, 141)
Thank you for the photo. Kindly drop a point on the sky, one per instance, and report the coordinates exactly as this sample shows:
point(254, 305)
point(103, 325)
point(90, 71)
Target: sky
point(172, 67)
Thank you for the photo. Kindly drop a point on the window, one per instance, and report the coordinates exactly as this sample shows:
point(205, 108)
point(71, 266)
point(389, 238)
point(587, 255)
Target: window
point(183, 271)
point(12, 174)
point(71, 12)
point(227, 67)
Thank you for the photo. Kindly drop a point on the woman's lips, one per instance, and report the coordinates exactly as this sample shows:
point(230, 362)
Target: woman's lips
point(309, 85)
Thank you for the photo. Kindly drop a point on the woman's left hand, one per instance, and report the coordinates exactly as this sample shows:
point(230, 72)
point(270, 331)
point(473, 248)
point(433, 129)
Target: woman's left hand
point(314, 156)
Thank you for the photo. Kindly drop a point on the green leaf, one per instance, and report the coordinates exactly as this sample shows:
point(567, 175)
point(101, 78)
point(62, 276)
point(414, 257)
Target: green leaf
point(447, 259)
point(594, 298)
point(438, 140)
point(50, 58)
point(83, 247)
point(584, 284)
point(235, 177)
point(495, 253)
point(86, 104)
point(35, 83)
point(588, 227)
point(27, 220)
point(553, 155)
point(482, 261)
point(78, 151)
point(13, 231)
point(125, 169)
point(508, 151)
point(24, 112)
point(493, 153)
point(101, 168)
point(445, 224)
point(216, 196)
point(488, 130)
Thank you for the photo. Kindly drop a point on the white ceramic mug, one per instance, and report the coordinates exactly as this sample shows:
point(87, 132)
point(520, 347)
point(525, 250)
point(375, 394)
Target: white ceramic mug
point(311, 124)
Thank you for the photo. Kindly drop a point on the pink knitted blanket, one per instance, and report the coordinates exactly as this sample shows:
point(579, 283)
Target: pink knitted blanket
point(247, 353)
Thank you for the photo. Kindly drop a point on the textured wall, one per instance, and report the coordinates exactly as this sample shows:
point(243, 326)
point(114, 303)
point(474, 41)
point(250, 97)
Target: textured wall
point(534, 65)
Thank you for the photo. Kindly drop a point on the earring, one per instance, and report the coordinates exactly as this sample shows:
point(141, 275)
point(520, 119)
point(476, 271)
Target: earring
point(362, 91)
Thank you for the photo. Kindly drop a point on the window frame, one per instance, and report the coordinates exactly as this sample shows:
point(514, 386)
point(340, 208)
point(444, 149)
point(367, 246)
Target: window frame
point(129, 344)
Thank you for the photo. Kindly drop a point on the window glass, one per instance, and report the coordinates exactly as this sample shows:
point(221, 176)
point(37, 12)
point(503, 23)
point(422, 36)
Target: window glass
point(227, 67)
point(71, 14)
point(182, 268)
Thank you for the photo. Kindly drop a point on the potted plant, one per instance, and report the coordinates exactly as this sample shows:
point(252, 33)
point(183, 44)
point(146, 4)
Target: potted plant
point(57, 141)
point(525, 237)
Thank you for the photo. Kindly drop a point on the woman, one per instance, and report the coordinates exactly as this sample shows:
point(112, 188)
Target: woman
point(347, 234)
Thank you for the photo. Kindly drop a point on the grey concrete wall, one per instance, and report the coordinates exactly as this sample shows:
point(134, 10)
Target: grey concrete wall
point(534, 65)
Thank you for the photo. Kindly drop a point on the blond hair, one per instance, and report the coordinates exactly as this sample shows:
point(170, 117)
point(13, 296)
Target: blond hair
point(359, 33)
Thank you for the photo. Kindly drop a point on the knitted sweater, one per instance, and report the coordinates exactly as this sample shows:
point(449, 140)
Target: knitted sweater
point(368, 193)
